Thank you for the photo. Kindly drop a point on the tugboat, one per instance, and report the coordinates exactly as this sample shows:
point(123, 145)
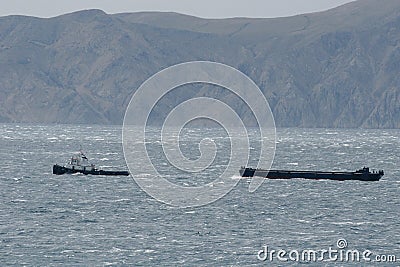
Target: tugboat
point(363, 174)
point(80, 164)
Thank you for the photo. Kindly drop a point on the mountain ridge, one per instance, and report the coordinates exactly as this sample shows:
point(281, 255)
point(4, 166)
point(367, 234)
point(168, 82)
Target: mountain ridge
point(83, 67)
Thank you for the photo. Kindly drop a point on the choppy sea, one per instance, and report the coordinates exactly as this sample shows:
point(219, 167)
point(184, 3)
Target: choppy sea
point(78, 220)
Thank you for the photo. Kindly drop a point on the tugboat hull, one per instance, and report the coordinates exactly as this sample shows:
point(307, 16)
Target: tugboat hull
point(59, 170)
point(360, 175)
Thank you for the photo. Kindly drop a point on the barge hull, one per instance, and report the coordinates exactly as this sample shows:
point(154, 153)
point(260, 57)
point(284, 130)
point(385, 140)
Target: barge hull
point(360, 175)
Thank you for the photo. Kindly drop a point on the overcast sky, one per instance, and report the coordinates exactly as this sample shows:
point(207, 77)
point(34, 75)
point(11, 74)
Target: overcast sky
point(200, 8)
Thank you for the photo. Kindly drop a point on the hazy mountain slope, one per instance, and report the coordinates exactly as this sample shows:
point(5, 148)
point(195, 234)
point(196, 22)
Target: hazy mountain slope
point(337, 68)
point(86, 69)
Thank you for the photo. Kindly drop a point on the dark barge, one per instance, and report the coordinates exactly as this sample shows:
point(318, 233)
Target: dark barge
point(363, 174)
point(80, 164)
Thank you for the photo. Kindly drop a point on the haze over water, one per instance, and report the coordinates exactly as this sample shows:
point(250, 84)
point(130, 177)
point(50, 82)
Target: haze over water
point(79, 220)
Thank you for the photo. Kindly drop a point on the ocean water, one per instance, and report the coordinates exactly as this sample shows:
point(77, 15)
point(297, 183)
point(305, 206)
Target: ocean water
point(78, 220)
